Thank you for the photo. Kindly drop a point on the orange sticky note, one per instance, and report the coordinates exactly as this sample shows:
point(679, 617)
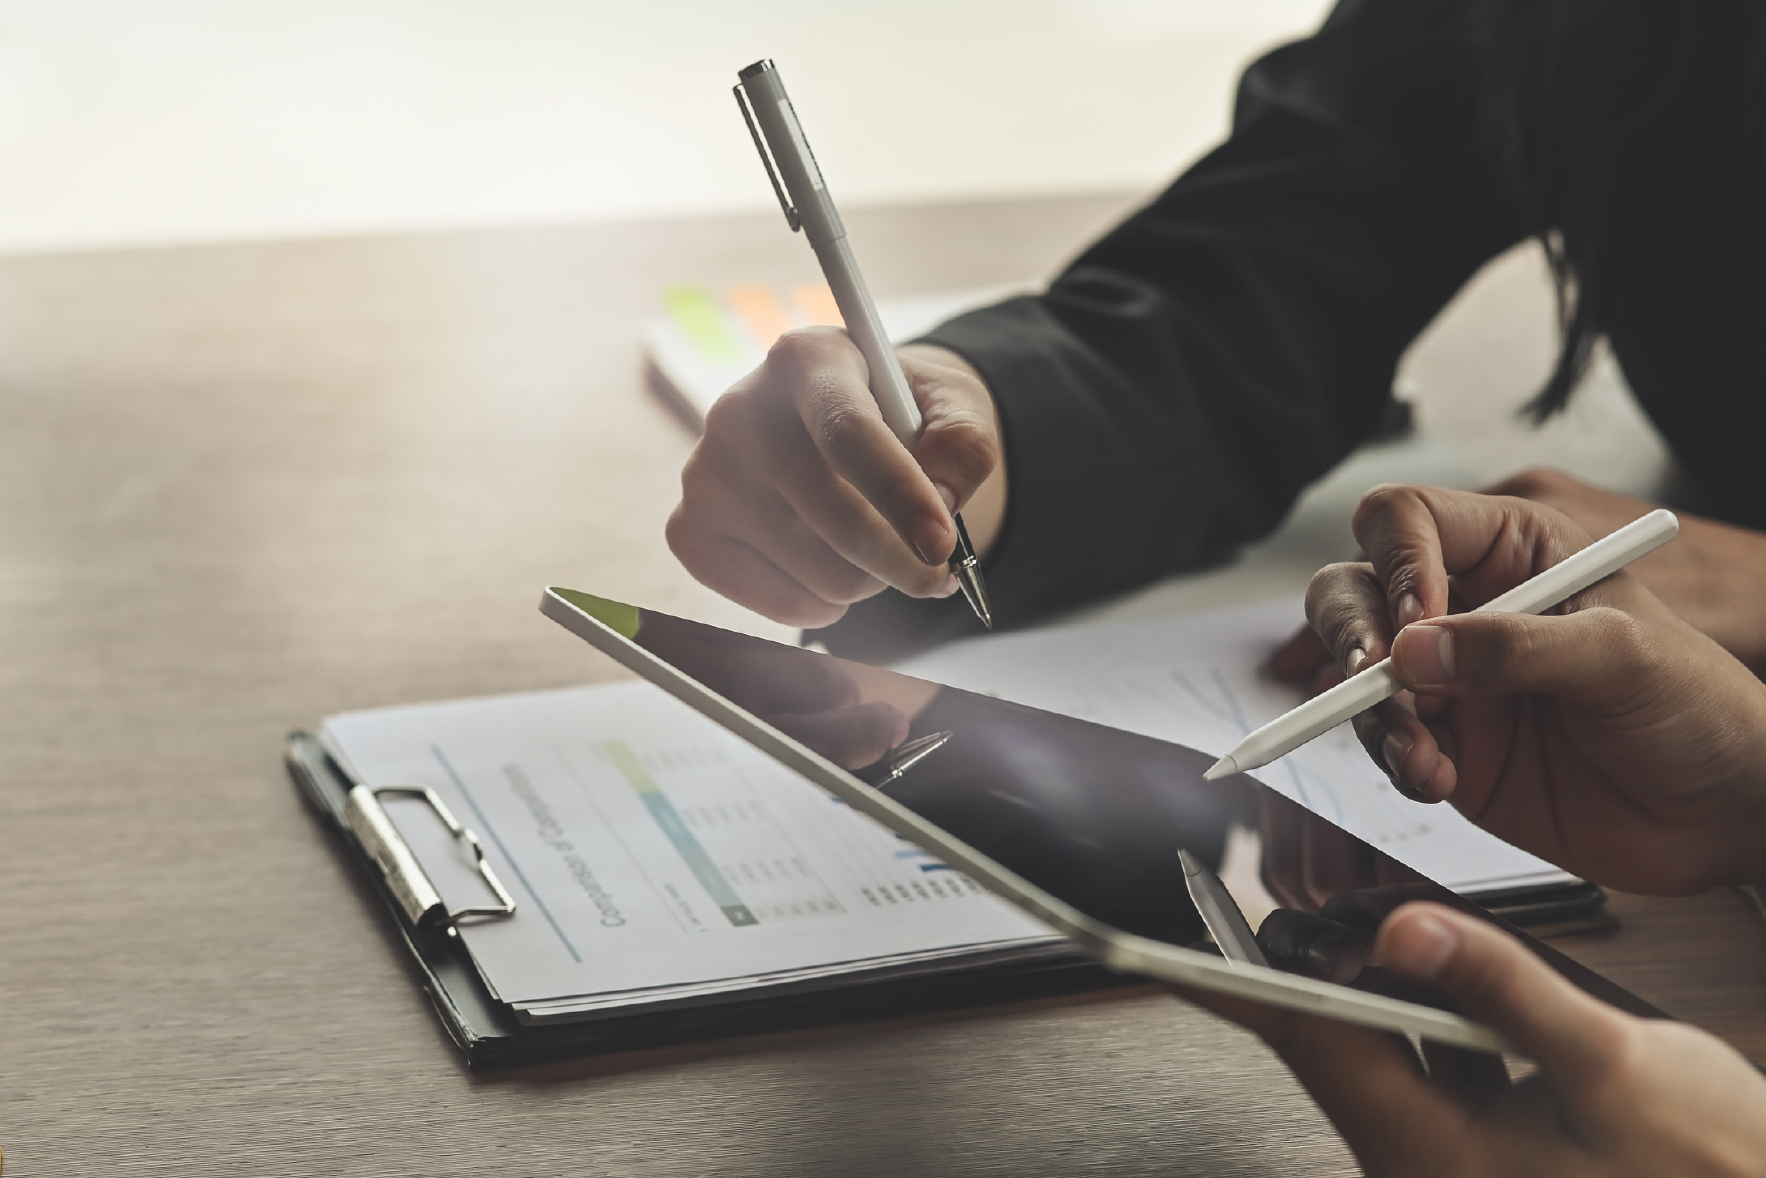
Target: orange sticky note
point(760, 312)
point(816, 303)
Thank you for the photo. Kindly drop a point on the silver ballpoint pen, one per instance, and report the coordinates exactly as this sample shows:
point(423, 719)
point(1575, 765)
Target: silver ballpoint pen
point(797, 182)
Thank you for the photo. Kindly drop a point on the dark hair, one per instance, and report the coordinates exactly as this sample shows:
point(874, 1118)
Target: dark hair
point(1588, 98)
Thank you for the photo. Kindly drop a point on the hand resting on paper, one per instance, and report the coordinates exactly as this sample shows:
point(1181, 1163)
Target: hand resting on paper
point(799, 501)
point(1614, 1095)
point(1609, 737)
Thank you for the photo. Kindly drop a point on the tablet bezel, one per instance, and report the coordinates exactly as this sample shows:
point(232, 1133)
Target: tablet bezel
point(1114, 949)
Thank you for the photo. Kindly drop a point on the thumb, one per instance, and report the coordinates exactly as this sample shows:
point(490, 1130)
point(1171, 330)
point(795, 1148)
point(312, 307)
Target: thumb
point(1492, 978)
point(1598, 659)
point(959, 442)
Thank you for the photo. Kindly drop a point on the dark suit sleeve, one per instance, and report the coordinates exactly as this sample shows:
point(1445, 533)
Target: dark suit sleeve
point(1180, 384)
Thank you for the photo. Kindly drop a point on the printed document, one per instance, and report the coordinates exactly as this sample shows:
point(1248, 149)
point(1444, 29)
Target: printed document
point(654, 857)
point(1198, 680)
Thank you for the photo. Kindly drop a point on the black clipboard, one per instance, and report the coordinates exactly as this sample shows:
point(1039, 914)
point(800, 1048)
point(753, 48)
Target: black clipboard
point(489, 1036)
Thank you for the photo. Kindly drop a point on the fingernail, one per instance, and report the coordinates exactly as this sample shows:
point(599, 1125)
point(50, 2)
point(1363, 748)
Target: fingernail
point(1355, 660)
point(1409, 609)
point(1427, 654)
point(1428, 943)
point(1395, 748)
point(949, 496)
point(950, 586)
point(930, 534)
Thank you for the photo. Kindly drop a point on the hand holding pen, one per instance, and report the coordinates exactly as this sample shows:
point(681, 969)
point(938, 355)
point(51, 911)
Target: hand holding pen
point(836, 469)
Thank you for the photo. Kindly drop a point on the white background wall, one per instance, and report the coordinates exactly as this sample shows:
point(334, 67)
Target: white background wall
point(149, 121)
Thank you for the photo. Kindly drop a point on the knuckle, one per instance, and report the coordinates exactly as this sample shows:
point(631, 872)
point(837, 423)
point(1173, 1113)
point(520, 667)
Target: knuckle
point(1380, 502)
point(840, 425)
point(1630, 642)
point(1534, 483)
point(704, 486)
point(681, 533)
point(964, 442)
point(1481, 982)
point(1338, 600)
point(801, 348)
point(1327, 584)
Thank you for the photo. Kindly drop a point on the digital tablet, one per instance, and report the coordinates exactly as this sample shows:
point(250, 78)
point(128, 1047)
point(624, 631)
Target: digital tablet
point(1078, 824)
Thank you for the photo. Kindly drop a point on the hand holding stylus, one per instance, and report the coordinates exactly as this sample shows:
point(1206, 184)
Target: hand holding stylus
point(1613, 740)
point(1377, 682)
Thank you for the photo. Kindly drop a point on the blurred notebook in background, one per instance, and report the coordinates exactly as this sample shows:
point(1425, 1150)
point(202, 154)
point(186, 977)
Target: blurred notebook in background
point(708, 339)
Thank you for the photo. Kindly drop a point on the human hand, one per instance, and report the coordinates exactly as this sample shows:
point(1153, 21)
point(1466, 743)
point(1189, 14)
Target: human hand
point(1610, 737)
point(1711, 575)
point(1614, 1095)
point(798, 500)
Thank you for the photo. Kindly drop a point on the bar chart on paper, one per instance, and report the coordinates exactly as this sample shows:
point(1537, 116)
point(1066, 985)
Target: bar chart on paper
point(752, 850)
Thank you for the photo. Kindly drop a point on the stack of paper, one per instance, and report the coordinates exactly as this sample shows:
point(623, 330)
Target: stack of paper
point(656, 859)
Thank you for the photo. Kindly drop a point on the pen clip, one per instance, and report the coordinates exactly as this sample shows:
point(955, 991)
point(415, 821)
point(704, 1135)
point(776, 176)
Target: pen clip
point(766, 158)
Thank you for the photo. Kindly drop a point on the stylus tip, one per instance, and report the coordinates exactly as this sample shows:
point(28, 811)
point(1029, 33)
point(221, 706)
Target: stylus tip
point(1225, 767)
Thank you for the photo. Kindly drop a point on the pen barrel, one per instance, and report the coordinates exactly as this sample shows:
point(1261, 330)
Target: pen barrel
point(1317, 716)
point(1579, 570)
point(795, 162)
point(889, 384)
point(808, 193)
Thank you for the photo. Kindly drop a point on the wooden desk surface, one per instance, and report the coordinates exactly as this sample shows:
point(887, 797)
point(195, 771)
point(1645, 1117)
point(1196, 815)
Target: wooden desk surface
point(244, 487)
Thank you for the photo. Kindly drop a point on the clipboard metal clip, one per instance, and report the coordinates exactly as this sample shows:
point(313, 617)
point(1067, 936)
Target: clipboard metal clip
point(410, 885)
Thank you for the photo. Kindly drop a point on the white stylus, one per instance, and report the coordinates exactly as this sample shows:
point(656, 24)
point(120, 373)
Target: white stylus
point(797, 182)
point(1358, 693)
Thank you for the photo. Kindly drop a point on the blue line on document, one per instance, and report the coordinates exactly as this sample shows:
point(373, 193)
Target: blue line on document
point(1232, 701)
point(1226, 709)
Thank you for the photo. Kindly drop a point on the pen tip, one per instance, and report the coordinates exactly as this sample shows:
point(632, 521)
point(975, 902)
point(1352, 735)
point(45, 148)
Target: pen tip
point(967, 567)
point(1225, 767)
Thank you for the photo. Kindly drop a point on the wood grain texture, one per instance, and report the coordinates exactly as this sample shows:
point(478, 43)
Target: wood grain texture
point(243, 487)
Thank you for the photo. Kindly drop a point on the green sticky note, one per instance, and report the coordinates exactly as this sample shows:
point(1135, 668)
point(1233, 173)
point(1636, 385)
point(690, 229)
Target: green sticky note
point(702, 321)
point(617, 616)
